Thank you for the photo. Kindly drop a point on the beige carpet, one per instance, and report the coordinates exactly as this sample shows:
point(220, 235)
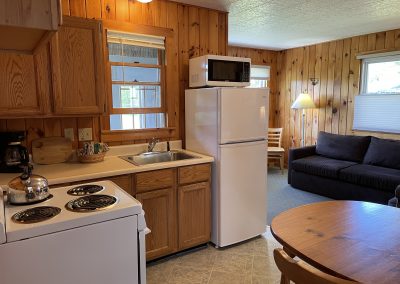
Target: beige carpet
point(250, 262)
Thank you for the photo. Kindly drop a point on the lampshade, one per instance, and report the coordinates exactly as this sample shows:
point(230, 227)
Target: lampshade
point(303, 101)
point(145, 1)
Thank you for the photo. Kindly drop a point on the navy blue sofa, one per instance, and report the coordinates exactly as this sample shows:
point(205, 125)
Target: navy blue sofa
point(347, 167)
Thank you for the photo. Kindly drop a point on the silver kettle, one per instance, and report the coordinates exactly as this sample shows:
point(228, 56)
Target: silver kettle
point(27, 188)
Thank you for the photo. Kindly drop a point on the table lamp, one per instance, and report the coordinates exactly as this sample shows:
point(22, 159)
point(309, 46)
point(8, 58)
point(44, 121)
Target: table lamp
point(303, 102)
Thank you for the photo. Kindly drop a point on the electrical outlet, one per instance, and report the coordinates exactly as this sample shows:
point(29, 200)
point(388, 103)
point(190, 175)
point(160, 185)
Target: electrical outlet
point(85, 134)
point(69, 134)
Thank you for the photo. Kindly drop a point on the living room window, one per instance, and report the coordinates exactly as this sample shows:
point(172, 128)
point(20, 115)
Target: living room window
point(377, 107)
point(259, 76)
point(381, 75)
point(137, 64)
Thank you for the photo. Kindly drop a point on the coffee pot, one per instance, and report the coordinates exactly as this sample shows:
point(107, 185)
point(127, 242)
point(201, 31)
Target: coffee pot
point(13, 154)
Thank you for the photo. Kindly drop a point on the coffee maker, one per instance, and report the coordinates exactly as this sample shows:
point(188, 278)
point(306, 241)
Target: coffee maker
point(13, 155)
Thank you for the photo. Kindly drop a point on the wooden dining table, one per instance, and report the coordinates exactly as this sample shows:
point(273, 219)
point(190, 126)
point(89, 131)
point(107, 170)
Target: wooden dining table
point(354, 240)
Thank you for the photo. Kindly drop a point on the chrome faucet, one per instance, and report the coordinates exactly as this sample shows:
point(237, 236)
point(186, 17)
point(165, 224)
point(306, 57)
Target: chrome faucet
point(152, 144)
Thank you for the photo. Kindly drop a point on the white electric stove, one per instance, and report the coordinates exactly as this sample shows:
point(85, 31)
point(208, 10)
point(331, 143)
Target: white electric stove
point(91, 233)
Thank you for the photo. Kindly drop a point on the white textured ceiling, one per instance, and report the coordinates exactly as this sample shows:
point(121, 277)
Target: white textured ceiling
point(282, 24)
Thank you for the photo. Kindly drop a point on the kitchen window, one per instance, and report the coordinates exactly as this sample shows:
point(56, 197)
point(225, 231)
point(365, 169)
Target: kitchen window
point(377, 107)
point(259, 76)
point(137, 66)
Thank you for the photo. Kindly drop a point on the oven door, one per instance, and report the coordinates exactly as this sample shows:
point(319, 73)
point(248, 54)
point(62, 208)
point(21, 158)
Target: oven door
point(228, 73)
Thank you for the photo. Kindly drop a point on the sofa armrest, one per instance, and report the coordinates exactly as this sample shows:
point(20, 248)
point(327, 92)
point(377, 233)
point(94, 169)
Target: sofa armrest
point(299, 153)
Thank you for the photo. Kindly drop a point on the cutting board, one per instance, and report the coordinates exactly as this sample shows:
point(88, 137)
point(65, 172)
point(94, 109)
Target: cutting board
point(51, 150)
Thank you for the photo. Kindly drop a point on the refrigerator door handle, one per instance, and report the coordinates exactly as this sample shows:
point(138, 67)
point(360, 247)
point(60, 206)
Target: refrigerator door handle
point(249, 143)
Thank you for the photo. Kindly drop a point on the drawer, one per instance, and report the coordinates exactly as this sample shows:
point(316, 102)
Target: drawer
point(154, 180)
point(192, 174)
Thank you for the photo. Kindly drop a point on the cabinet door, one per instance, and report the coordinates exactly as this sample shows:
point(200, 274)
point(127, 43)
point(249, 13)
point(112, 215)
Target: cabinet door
point(160, 214)
point(37, 14)
point(194, 214)
point(24, 81)
point(78, 75)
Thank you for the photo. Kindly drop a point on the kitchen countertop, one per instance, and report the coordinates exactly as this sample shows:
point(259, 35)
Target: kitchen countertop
point(111, 166)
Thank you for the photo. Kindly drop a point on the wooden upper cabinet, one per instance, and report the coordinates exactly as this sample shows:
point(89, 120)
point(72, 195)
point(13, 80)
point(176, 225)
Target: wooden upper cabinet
point(78, 71)
point(33, 14)
point(24, 23)
point(24, 84)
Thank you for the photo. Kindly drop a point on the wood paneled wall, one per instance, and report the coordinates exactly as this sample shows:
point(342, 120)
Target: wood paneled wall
point(198, 30)
point(335, 65)
point(262, 57)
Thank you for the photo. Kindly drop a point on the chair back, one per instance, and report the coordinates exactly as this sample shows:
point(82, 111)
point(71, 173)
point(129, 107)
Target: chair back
point(302, 273)
point(275, 137)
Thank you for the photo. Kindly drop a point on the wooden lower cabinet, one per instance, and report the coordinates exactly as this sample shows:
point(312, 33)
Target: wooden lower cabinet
point(124, 182)
point(194, 218)
point(160, 214)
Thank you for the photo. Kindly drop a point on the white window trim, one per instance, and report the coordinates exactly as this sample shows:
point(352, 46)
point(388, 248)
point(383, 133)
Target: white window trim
point(375, 58)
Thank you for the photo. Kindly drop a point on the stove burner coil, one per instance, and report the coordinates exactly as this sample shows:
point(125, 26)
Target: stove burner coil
point(91, 203)
point(36, 214)
point(85, 189)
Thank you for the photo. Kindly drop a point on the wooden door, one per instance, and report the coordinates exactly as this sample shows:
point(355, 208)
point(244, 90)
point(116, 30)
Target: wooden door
point(194, 214)
point(160, 214)
point(78, 72)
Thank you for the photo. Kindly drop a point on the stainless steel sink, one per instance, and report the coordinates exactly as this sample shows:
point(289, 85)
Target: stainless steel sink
point(156, 157)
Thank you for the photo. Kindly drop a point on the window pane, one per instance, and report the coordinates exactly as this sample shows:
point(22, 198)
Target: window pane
point(138, 54)
point(132, 54)
point(258, 83)
point(138, 74)
point(260, 71)
point(383, 77)
point(136, 96)
point(135, 74)
point(117, 73)
point(137, 121)
point(114, 52)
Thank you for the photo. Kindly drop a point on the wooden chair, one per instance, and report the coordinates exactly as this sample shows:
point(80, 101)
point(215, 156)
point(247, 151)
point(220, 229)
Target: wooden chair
point(301, 273)
point(275, 150)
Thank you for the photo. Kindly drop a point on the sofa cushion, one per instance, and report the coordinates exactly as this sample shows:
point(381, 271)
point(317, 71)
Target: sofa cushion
point(372, 176)
point(320, 166)
point(384, 153)
point(342, 147)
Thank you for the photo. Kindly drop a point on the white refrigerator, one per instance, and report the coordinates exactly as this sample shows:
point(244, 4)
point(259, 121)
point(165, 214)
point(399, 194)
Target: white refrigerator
point(230, 124)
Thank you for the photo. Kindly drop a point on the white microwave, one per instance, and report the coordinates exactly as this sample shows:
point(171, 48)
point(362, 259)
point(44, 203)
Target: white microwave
point(219, 71)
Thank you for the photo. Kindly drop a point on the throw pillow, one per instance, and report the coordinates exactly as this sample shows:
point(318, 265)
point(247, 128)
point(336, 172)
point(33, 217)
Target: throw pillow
point(384, 153)
point(342, 147)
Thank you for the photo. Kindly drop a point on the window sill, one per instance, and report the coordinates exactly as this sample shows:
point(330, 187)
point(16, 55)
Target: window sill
point(115, 136)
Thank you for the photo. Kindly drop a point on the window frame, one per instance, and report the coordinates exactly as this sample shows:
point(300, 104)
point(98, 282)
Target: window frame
point(261, 78)
point(377, 58)
point(162, 108)
point(171, 94)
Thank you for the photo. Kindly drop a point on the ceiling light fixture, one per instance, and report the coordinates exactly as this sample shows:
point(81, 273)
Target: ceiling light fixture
point(145, 1)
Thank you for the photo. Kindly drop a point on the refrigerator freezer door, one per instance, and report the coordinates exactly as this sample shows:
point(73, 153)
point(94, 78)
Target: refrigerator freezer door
point(243, 114)
point(242, 212)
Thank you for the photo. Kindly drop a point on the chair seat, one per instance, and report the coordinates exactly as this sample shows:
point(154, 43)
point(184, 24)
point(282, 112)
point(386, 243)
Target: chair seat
point(275, 150)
